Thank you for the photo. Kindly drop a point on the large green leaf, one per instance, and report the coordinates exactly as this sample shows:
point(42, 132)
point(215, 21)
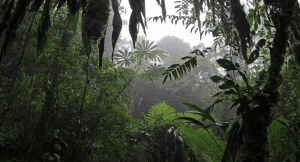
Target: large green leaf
point(227, 84)
point(117, 25)
point(192, 120)
point(216, 79)
point(218, 94)
point(244, 77)
point(141, 6)
point(205, 113)
point(253, 56)
point(255, 26)
point(226, 64)
point(250, 17)
point(133, 23)
point(267, 25)
point(74, 21)
point(232, 143)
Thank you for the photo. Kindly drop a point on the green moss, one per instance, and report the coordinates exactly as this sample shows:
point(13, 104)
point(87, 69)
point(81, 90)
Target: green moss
point(96, 18)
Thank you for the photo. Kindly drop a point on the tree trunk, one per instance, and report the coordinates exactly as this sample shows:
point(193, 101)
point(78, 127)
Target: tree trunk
point(253, 133)
point(41, 132)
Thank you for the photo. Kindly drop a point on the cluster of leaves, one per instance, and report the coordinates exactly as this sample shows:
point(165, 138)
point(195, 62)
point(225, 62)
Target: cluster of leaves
point(239, 95)
point(62, 106)
point(283, 138)
point(163, 138)
point(144, 51)
point(176, 69)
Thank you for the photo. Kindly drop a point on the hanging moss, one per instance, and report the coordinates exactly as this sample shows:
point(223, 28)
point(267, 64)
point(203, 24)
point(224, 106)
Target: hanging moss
point(95, 19)
point(241, 24)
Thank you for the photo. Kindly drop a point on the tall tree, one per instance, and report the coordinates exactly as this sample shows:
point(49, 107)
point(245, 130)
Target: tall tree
point(284, 15)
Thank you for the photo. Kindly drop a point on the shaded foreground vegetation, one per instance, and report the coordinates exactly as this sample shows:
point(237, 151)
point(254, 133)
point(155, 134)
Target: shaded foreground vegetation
point(60, 100)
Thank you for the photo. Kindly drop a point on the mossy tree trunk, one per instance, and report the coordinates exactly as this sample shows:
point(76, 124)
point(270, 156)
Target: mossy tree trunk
point(253, 133)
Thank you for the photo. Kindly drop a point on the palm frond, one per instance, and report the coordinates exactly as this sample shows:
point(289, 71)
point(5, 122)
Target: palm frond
point(177, 69)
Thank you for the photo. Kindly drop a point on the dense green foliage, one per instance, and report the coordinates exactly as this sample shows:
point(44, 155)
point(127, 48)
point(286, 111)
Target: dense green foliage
point(60, 100)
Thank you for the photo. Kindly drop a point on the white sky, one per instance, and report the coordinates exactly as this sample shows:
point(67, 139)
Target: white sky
point(157, 30)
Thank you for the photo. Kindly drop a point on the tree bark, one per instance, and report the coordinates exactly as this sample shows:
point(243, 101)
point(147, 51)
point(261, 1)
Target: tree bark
point(253, 133)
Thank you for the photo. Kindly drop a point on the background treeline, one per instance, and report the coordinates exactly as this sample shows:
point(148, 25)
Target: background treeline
point(59, 105)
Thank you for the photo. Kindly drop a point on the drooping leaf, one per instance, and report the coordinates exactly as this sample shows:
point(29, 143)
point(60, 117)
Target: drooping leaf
point(209, 109)
point(231, 91)
point(218, 101)
point(117, 25)
point(250, 17)
point(192, 28)
point(163, 9)
point(166, 77)
point(226, 64)
point(133, 26)
point(74, 21)
point(244, 77)
point(258, 18)
point(217, 94)
point(133, 21)
point(216, 79)
point(192, 120)
point(235, 103)
point(227, 84)
point(141, 11)
point(232, 144)
point(255, 26)
point(267, 25)
point(253, 56)
point(43, 27)
point(207, 115)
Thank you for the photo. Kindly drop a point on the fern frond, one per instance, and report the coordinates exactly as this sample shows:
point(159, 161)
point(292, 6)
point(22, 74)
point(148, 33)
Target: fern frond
point(180, 69)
